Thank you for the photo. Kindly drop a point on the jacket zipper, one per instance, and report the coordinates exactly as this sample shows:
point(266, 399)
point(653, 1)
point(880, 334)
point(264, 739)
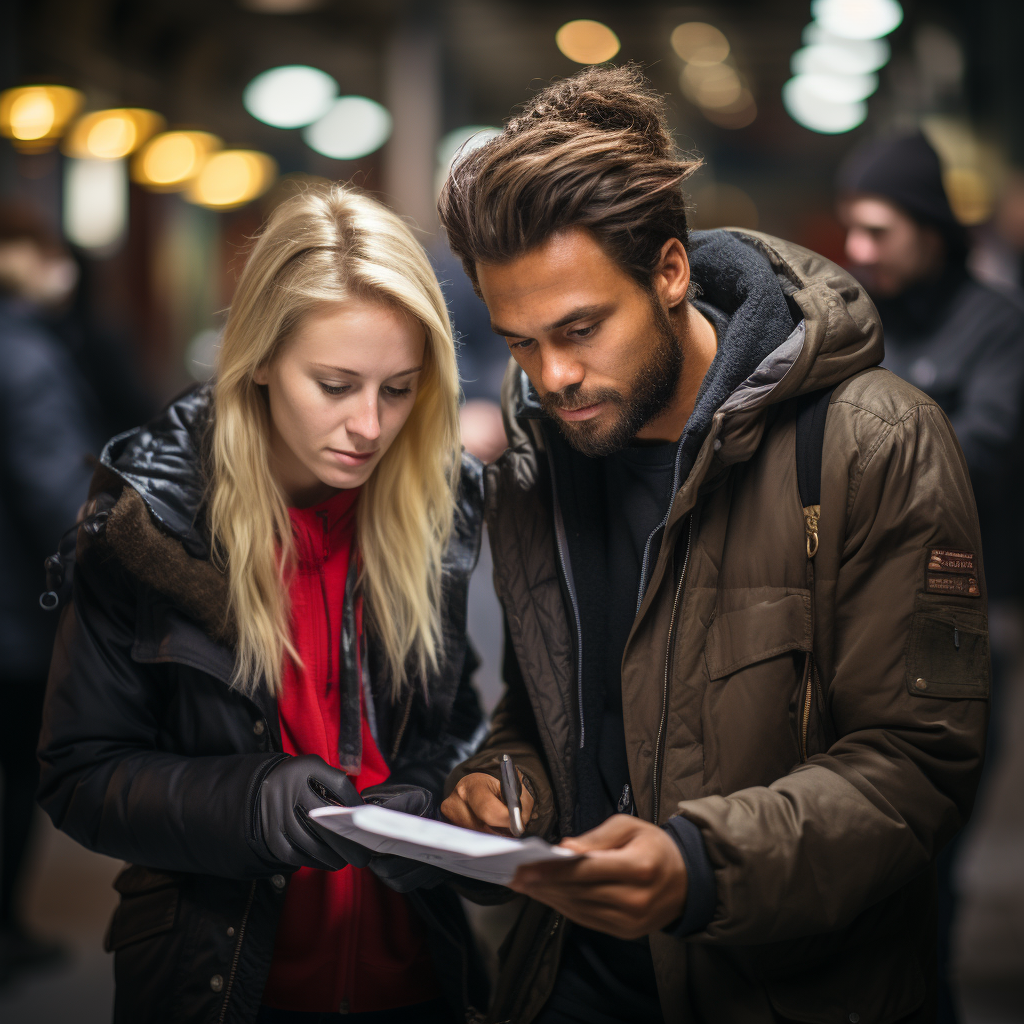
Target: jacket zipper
point(238, 953)
point(668, 667)
point(808, 697)
point(402, 725)
point(563, 558)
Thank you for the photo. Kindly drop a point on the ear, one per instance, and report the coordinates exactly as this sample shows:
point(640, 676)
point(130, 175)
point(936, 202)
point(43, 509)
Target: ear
point(262, 374)
point(671, 278)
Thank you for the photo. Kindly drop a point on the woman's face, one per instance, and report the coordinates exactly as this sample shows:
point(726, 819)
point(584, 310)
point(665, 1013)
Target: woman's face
point(340, 389)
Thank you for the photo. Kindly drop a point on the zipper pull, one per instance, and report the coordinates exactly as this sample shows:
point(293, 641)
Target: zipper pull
point(956, 638)
point(625, 805)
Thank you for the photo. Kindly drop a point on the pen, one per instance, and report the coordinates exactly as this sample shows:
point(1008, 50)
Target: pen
point(511, 790)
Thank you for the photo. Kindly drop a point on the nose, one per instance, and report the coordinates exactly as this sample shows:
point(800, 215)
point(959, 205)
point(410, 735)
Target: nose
point(365, 419)
point(560, 368)
point(861, 247)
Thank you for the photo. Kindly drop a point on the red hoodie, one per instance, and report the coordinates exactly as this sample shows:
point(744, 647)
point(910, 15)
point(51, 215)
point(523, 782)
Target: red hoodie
point(345, 941)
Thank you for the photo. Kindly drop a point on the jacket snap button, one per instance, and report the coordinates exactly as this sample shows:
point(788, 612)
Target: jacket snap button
point(231, 932)
point(278, 881)
point(854, 1017)
point(921, 684)
point(217, 982)
point(718, 444)
point(259, 727)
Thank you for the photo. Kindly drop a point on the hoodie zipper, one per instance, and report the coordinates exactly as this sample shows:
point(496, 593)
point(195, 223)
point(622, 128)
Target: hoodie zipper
point(668, 666)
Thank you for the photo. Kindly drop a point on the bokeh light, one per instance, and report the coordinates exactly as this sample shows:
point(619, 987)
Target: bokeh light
point(840, 88)
point(290, 96)
point(699, 43)
point(95, 210)
point(735, 115)
point(34, 116)
point(970, 195)
point(712, 86)
point(462, 142)
point(719, 205)
point(111, 134)
point(587, 42)
point(847, 57)
point(232, 177)
point(857, 19)
point(354, 126)
point(169, 161)
point(809, 108)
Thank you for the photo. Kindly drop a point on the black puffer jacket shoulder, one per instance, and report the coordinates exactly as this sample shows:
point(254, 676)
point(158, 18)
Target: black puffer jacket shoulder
point(149, 755)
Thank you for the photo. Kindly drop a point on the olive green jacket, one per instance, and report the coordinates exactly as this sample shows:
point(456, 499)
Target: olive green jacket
point(821, 720)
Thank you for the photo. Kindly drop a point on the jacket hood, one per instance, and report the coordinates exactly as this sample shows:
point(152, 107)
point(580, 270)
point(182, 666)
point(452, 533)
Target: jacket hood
point(796, 323)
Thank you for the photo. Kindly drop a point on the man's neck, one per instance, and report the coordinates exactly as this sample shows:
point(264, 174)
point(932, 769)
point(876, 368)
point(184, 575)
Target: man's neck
point(700, 343)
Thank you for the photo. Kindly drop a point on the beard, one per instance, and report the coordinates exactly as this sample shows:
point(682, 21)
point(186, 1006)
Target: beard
point(649, 393)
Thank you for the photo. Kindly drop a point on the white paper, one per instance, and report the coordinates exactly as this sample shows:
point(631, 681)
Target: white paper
point(473, 854)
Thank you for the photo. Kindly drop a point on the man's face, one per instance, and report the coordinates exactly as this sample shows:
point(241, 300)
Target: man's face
point(888, 250)
point(599, 349)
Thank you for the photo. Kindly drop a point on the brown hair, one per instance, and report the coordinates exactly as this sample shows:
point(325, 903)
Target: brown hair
point(592, 151)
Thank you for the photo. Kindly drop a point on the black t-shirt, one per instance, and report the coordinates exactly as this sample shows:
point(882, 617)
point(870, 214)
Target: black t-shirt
point(603, 979)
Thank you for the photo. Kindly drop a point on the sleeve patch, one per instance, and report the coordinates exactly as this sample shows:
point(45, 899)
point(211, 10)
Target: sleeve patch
point(946, 583)
point(948, 654)
point(951, 572)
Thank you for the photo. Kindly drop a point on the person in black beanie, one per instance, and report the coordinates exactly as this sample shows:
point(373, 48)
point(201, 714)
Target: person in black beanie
point(962, 343)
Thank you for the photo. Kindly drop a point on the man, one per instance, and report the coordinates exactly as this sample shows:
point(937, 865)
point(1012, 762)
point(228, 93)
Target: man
point(760, 726)
point(963, 344)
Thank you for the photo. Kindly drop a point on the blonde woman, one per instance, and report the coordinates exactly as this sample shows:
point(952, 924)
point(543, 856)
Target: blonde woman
point(268, 615)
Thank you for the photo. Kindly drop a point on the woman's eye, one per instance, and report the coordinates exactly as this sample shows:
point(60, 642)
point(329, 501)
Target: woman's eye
point(397, 392)
point(333, 389)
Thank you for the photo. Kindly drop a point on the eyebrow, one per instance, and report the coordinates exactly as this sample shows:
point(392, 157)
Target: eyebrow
point(580, 313)
point(324, 368)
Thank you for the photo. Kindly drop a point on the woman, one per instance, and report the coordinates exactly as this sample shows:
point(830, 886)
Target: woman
point(268, 616)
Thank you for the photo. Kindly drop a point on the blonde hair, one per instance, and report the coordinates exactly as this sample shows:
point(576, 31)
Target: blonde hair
point(326, 245)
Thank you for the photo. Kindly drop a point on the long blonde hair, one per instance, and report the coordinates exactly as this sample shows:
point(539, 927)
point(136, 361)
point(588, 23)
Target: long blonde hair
point(326, 245)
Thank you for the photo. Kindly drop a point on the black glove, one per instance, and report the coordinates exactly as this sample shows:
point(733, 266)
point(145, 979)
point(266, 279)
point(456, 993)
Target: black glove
point(401, 873)
point(290, 790)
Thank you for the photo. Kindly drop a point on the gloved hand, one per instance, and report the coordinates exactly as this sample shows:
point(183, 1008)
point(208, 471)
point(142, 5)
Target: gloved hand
point(290, 790)
point(401, 873)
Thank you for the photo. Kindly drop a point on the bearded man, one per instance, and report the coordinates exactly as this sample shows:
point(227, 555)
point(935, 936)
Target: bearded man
point(758, 716)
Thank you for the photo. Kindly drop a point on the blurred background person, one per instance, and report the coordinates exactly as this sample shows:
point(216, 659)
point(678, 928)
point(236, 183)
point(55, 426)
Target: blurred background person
point(47, 434)
point(961, 342)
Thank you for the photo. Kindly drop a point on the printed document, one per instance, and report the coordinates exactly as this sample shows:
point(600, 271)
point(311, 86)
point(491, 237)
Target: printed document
point(462, 851)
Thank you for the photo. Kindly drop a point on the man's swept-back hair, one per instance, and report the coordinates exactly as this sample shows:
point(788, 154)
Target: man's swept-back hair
point(592, 151)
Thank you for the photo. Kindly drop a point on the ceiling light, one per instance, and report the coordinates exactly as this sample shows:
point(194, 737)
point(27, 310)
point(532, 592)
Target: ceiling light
point(839, 58)
point(95, 213)
point(35, 115)
point(840, 88)
point(168, 162)
point(232, 177)
point(111, 134)
point(857, 19)
point(713, 86)
point(354, 126)
point(811, 110)
point(699, 43)
point(735, 115)
point(587, 42)
point(462, 141)
point(290, 96)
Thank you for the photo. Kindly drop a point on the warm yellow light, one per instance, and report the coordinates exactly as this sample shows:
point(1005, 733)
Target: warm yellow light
point(111, 134)
point(233, 177)
point(171, 160)
point(735, 115)
point(35, 115)
point(587, 42)
point(699, 43)
point(713, 86)
point(969, 193)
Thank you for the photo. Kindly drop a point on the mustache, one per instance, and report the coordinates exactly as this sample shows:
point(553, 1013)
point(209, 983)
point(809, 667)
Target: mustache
point(573, 397)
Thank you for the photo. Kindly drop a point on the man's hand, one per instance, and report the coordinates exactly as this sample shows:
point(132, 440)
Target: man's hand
point(476, 803)
point(632, 881)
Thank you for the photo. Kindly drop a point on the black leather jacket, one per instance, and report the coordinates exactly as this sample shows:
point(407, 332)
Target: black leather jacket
point(149, 756)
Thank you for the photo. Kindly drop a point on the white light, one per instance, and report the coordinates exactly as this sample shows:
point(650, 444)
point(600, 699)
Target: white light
point(878, 50)
point(811, 110)
point(95, 203)
point(838, 58)
point(462, 141)
point(291, 96)
point(857, 19)
point(354, 126)
point(840, 88)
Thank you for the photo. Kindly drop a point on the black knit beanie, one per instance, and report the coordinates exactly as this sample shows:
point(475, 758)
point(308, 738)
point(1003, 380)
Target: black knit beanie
point(906, 171)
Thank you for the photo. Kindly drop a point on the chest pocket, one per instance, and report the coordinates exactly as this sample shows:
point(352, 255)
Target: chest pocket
point(758, 632)
point(755, 658)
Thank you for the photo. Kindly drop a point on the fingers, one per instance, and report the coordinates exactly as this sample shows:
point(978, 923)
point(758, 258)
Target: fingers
point(612, 834)
point(476, 803)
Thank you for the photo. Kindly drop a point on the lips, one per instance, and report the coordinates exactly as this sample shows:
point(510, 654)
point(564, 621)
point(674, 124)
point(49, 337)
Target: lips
point(582, 413)
point(351, 458)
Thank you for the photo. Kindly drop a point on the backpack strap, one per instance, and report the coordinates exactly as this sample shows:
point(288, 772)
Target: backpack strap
point(811, 410)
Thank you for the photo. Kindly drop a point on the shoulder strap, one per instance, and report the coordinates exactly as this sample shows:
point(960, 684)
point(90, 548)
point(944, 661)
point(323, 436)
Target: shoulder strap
point(811, 410)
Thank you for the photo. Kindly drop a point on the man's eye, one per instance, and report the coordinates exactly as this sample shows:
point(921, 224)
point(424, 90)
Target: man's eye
point(333, 389)
point(513, 345)
point(583, 332)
